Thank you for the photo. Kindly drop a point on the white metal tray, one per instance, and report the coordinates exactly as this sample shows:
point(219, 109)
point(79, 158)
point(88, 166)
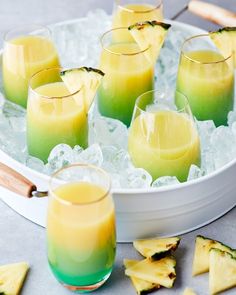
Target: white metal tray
point(144, 213)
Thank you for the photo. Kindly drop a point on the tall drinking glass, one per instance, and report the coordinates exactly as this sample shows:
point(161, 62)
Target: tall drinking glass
point(128, 73)
point(129, 12)
point(27, 50)
point(163, 138)
point(81, 227)
point(54, 115)
point(207, 79)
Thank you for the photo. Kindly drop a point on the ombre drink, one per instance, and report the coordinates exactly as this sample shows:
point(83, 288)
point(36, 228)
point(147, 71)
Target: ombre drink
point(81, 228)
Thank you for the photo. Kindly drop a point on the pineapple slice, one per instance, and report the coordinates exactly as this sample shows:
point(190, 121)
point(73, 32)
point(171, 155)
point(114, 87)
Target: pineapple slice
point(12, 277)
point(161, 272)
point(201, 255)
point(141, 286)
point(85, 79)
point(225, 41)
point(222, 273)
point(150, 34)
point(156, 248)
point(189, 291)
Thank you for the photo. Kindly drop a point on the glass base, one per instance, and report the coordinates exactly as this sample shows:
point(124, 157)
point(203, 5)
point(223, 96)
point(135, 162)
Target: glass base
point(86, 289)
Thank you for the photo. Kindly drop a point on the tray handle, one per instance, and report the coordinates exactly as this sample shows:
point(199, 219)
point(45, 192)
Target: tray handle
point(16, 182)
point(213, 13)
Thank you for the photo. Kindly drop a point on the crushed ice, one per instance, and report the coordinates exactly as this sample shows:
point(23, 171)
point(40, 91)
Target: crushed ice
point(108, 137)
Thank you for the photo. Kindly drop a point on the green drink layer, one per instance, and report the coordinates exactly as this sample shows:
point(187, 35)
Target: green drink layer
point(209, 87)
point(42, 139)
point(81, 269)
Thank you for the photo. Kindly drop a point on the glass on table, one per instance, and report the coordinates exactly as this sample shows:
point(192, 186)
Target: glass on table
point(163, 138)
point(207, 79)
point(54, 115)
point(128, 74)
point(81, 233)
point(129, 12)
point(27, 50)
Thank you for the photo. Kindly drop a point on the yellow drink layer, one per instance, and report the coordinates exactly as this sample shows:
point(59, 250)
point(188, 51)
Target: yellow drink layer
point(52, 120)
point(81, 235)
point(132, 13)
point(23, 57)
point(52, 90)
point(164, 143)
point(85, 226)
point(127, 77)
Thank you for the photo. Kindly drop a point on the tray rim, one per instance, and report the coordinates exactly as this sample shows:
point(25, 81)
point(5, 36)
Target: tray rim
point(130, 191)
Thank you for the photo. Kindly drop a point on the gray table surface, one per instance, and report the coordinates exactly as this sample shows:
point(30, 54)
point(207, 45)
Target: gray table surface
point(21, 240)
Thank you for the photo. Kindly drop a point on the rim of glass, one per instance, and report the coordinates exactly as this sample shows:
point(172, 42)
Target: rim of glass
point(199, 62)
point(160, 2)
point(45, 96)
point(120, 53)
point(107, 191)
point(34, 27)
point(157, 91)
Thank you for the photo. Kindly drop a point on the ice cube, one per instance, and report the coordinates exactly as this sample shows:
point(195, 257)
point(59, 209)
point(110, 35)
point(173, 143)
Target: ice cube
point(108, 131)
point(137, 178)
point(121, 160)
point(92, 155)
point(35, 163)
point(116, 180)
point(207, 161)
point(222, 139)
point(223, 144)
point(164, 181)
point(60, 156)
point(13, 110)
point(18, 124)
point(195, 172)
point(77, 150)
point(205, 129)
point(231, 118)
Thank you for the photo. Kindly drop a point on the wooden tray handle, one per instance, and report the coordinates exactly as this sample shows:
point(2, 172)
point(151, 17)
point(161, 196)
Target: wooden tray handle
point(16, 182)
point(213, 13)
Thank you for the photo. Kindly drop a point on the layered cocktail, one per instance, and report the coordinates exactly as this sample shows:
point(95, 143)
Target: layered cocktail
point(27, 50)
point(81, 228)
point(207, 78)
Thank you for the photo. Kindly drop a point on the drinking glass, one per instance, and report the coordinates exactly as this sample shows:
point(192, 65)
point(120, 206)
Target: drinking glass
point(129, 12)
point(163, 138)
point(54, 115)
point(81, 234)
point(128, 73)
point(27, 50)
point(207, 79)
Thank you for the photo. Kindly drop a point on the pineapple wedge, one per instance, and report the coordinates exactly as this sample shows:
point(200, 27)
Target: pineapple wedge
point(203, 246)
point(161, 272)
point(225, 41)
point(189, 291)
point(150, 34)
point(222, 273)
point(12, 277)
point(156, 248)
point(85, 79)
point(141, 286)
